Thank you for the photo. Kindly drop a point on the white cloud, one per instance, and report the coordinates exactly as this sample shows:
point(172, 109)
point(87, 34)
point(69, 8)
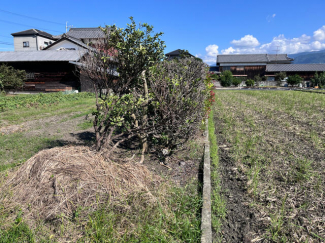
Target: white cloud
point(290, 46)
point(246, 41)
point(211, 54)
point(212, 50)
point(319, 35)
point(229, 50)
point(280, 44)
point(270, 18)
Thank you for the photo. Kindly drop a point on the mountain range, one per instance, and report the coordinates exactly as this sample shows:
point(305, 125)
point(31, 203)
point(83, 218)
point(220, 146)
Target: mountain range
point(308, 57)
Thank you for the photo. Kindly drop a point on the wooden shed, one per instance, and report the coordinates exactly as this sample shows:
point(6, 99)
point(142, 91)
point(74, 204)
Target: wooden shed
point(47, 71)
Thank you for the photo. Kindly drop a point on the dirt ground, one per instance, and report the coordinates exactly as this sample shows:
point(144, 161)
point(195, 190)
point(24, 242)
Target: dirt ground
point(240, 224)
point(272, 160)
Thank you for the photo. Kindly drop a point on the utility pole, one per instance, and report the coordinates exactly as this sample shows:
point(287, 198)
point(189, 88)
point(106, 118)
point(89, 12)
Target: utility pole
point(276, 55)
point(66, 26)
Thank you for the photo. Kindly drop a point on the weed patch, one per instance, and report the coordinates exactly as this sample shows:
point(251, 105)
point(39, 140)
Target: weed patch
point(218, 203)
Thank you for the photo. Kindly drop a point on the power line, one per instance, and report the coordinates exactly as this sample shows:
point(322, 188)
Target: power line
point(4, 36)
point(6, 43)
point(21, 15)
point(9, 22)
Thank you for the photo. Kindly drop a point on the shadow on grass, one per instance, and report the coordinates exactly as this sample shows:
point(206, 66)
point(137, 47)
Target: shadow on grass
point(82, 139)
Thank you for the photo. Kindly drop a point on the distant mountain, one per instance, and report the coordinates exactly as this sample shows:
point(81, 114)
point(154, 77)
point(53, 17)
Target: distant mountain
point(308, 57)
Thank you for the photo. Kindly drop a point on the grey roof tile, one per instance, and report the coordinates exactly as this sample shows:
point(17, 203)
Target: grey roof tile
point(69, 38)
point(39, 56)
point(85, 33)
point(33, 32)
point(176, 53)
point(251, 58)
point(295, 67)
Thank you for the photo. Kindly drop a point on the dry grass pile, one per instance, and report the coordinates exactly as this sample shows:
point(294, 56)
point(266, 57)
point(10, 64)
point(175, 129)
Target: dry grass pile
point(59, 180)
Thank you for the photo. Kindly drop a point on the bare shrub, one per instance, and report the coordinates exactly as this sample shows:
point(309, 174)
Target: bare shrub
point(139, 95)
point(179, 95)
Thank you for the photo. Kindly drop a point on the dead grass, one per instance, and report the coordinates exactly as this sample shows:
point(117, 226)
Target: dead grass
point(58, 180)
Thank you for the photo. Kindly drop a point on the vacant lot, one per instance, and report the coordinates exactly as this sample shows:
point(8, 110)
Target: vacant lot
point(272, 165)
point(166, 212)
point(28, 128)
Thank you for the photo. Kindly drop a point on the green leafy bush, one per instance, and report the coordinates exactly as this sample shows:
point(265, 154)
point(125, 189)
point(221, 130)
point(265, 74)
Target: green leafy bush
point(294, 80)
point(236, 81)
point(226, 78)
point(257, 79)
point(214, 76)
point(250, 82)
point(280, 76)
point(11, 78)
point(318, 80)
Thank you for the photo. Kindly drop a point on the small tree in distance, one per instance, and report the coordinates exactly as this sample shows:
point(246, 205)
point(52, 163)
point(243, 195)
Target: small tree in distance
point(257, 79)
point(226, 78)
point(236, 81)
point(318, 80)
point(294, 80)
point(250, 82)
point(279, 77)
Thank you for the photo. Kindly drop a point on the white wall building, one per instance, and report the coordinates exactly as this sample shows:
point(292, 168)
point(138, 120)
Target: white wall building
point(32, 40)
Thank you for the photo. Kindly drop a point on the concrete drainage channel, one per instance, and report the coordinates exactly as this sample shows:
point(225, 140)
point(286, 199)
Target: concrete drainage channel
point(206, 227)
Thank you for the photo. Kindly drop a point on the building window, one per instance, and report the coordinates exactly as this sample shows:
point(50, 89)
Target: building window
point(30, 75)
point(26, 44)
point(225, 68)
point(240, 68)
point(46, 43)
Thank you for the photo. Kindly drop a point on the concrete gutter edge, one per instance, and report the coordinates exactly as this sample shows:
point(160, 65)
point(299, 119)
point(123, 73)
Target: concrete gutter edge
point(206, 227)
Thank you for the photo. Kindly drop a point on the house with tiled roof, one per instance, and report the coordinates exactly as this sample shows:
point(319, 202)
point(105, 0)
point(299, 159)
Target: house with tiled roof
point(51, 61)
point(250, 65)
point(178, 54)
point(306, 71)
point(32, 40)
point(77, 38)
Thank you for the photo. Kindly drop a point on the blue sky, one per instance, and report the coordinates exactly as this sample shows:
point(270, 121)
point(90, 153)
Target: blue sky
point(205, 28)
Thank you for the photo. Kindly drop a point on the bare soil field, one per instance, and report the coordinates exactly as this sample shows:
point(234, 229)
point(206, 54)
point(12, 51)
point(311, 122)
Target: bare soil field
point(272, 165)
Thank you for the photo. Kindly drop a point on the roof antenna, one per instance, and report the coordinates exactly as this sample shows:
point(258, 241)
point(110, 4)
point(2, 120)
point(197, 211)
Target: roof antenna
point(66, 26)
point(276, 55)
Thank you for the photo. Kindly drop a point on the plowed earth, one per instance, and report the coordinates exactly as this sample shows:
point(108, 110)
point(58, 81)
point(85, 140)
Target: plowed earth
point(272, 165)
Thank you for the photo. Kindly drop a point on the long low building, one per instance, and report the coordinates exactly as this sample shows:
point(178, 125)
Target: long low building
point(47, 71)
point(306, 71)
point(249, 65)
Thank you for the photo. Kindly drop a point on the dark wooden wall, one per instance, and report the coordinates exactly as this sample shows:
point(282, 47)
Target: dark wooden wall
point(305, 75)
point(48, 76)
point(249, 71)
